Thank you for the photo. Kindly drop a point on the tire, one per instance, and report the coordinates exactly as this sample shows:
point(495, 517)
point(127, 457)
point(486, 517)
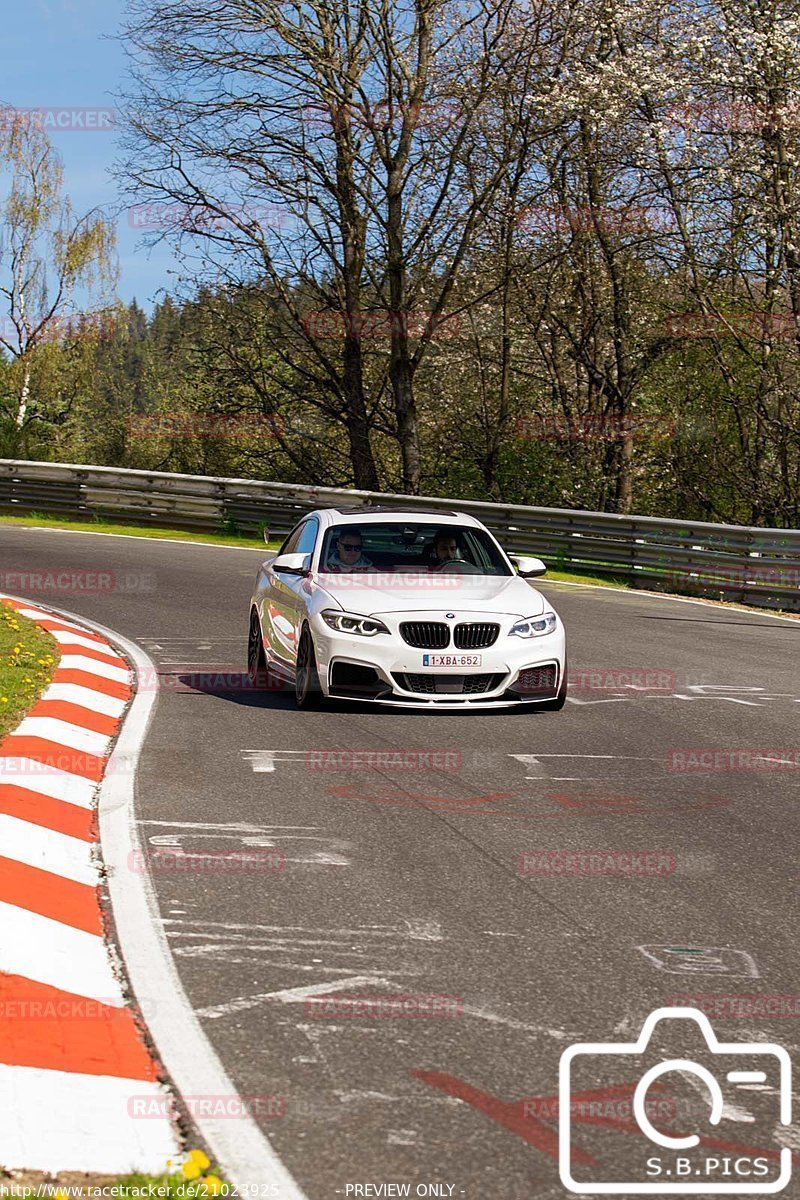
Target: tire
point(307, 690)
point(561, 698)
point(256, 659)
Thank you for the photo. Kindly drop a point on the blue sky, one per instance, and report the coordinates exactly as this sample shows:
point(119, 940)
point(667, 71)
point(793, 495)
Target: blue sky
point(62, 55)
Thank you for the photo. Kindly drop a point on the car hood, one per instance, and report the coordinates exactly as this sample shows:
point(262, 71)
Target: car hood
point(508, 595)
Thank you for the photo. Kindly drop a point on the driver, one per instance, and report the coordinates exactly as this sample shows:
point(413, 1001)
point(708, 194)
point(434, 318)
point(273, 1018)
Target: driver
point(348, 556)
point(445, 548)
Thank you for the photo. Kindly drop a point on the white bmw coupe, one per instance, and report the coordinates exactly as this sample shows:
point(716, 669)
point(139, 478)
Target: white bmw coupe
point(419, 609)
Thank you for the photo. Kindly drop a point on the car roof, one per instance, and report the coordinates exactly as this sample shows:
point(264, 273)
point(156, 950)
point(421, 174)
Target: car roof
point(373, 515)
point(368, 509)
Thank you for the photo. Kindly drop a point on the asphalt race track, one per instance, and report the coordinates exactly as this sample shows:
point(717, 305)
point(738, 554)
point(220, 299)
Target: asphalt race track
point(404, 877)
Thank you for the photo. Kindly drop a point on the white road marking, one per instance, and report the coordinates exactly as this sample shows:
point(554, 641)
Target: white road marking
point(57, 853)
point(91, 666)
point(263, 761)
point(75, 693)
point(412, 930)
point(296, 995)
point(299, 995)
point(38, 777)
point(226, 826)
point(533, 763)
point(730, 1111)
point(51, 952)
point(242, 1150)
point(138, 537)
point(53, 729)
point(88, 1123)
point(701, 960)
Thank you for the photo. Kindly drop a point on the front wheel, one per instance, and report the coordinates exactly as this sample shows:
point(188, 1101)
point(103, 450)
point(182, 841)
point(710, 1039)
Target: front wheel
point(307, 690)
point(561, 696)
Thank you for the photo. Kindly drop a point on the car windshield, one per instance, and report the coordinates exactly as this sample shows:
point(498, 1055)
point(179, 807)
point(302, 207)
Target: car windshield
point(411, 546)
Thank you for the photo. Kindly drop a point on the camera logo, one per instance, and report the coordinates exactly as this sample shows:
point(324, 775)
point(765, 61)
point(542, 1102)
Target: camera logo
point(690, 1163)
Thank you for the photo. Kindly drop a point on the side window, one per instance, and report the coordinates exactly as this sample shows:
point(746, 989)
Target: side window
point(308, 538)
point(290, 545)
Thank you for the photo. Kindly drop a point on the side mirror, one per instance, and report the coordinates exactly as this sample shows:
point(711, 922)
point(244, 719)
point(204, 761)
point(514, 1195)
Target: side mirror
point(291, 564)
point(527, 566)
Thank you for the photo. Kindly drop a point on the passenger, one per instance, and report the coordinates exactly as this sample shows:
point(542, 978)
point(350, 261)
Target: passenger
point(347, 556)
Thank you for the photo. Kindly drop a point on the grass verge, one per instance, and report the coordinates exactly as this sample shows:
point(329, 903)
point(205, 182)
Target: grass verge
point(28, 657)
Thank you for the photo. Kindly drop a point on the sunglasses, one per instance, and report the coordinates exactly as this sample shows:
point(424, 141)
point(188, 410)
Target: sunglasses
point(349, 545)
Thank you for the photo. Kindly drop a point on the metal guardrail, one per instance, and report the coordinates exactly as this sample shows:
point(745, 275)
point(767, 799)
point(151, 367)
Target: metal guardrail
point(749, 564)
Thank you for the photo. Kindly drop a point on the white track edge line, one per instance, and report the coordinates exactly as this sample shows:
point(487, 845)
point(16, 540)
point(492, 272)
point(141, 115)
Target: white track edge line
point(136, 537)
point(240, 1147)
point(727, 605)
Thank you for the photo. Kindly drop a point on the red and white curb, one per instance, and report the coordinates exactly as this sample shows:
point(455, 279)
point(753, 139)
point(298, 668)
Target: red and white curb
point(239, 1146)
point(72, 1062)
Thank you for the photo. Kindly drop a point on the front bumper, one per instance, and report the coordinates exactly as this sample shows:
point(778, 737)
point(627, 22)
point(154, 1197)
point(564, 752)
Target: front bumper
point(384, 670)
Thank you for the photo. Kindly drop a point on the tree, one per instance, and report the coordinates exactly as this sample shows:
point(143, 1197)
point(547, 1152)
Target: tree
point(46, 255)
point(329, 152)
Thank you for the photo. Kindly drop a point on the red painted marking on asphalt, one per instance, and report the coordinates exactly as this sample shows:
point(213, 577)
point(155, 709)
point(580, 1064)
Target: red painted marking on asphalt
point(76, 714)
point(420, 800)
point(29, 805)
point(50, 895)
point(54, 754)
point(41, 1026)
point(532, 1130)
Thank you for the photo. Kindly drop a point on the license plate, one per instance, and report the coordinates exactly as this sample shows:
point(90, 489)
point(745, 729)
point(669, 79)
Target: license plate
point(451, 660)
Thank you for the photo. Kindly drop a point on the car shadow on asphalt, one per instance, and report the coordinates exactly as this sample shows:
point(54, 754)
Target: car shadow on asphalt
point(235, 688)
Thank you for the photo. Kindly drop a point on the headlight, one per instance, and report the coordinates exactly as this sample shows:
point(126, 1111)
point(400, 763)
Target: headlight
point(534, 626)
point(344, 622)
